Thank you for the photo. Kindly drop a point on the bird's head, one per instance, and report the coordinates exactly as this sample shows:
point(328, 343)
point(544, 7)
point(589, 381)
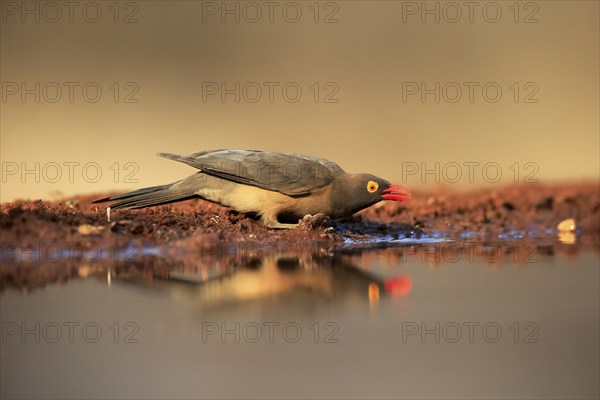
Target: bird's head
point(358, 191)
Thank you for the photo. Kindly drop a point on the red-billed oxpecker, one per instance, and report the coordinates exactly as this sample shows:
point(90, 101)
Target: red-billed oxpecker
point(281, 188)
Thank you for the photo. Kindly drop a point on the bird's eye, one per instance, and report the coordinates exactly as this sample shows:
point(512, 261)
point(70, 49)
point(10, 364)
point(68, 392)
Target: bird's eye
point(372, 186)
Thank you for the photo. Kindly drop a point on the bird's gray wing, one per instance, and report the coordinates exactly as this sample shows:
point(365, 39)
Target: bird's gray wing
point(289, 173)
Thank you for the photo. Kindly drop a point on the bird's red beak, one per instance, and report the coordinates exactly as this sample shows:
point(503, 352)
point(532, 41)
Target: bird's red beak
point(396, 193)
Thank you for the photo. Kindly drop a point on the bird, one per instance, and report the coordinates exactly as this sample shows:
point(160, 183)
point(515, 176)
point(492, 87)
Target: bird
point(279, 189)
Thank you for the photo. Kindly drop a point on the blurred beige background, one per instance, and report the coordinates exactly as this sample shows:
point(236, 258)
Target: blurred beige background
point(171, 57)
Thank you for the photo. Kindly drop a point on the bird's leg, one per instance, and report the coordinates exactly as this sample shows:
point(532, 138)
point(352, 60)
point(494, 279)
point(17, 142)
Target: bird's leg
point(272, 223)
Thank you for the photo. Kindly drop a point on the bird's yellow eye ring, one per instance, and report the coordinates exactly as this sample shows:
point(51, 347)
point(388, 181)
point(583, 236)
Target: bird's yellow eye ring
point(372, 186)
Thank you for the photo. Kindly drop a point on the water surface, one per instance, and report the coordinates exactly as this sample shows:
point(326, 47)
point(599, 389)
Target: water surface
point(434, 318)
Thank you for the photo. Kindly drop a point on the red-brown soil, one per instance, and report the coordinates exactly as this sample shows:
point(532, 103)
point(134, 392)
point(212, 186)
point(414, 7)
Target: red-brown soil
point(519, 207)
point(40, 227)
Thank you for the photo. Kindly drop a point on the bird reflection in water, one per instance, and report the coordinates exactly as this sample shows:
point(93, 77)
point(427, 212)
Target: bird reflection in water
point(222, 273)
point(317, 278)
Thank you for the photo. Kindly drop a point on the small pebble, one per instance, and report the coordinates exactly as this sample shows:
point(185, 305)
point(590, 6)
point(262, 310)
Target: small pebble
point(567, 225)
point(89, 229)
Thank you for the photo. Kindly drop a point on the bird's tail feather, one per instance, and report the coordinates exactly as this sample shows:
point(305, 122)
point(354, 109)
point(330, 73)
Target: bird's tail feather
point(151, 196)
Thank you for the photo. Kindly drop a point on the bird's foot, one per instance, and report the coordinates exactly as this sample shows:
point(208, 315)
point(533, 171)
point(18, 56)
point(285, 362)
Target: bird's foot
point(274, 224)
point(108, 213)
point(317, 221)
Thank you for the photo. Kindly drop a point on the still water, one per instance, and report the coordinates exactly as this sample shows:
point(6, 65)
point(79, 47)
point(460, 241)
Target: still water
point(428, 318)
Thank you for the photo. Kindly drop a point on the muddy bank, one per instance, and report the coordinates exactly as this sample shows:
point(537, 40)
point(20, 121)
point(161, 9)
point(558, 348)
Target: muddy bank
point(486, 212)
point(205, 240)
